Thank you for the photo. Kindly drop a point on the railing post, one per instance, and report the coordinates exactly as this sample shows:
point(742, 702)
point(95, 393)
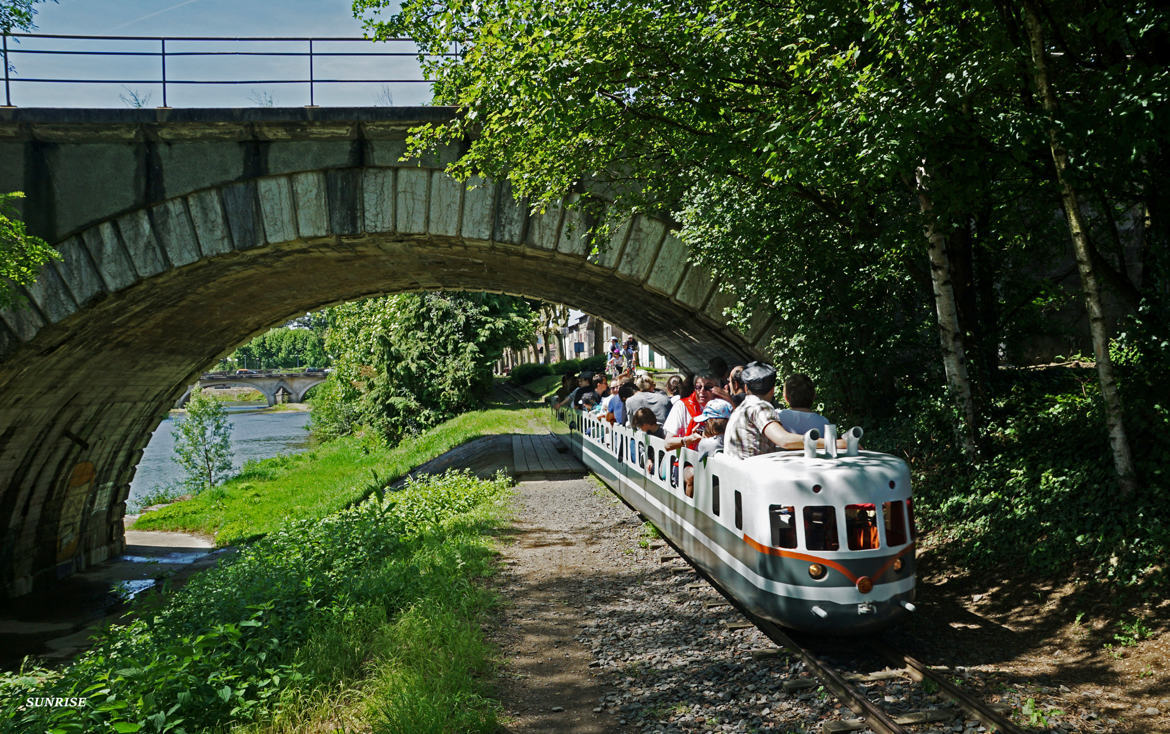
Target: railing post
point(164, 70)
point(312, 97)
point(7, 89)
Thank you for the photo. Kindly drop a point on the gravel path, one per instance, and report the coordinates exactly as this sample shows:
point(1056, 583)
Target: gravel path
point(599, 634)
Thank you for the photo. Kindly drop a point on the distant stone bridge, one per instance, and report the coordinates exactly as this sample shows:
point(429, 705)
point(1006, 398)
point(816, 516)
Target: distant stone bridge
point(268, 384)
point(186, 232)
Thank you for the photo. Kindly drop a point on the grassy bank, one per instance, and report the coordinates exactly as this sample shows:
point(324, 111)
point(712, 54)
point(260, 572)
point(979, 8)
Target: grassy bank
point(366, 619)
point(326, 479)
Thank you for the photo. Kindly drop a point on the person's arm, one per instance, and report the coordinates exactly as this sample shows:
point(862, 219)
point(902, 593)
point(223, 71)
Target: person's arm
point(677, 442)
point(786, 439)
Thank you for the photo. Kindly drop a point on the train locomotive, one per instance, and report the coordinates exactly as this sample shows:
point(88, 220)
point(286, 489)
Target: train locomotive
point(812, 540)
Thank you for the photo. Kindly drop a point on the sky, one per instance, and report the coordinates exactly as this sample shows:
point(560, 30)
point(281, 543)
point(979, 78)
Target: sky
point(137, 77)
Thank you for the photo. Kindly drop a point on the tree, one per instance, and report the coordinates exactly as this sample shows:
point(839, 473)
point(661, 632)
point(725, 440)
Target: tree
point(203, 442)
point(873, 172)
point(21, 255)
point(406, 362)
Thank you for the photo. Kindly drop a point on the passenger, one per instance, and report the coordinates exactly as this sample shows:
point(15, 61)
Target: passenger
point(583, 382)
point(799, 417)
point(599, 386)
point(673, 386)
point(713, 419)
point(645, 421)
point(735, 385)
point(616, 410)
point(648, 397)
point(568, 384)
point(753, 428)
point(717, 368)
point(681, 421)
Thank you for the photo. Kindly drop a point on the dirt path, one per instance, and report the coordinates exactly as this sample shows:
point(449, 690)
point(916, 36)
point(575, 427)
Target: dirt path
point(560, 544)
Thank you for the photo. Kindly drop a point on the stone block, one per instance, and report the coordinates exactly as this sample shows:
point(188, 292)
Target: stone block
point(378, 199)
point(198, 164)
point(412, 199)
point(641, 248)
point(109, 257)
point(174, 231)
point(51, 296)
point(544, 228)
point(446, 204)
point(574, 234)
point(344, 194)
point(695, 287)
point(291, 156)
point(276, 209)
point(719, 302)
point(138, 237)
point(243, 215)
point(668, 267)
point(478, 206)
point(511, 216)
point(78, 272)
point(23, 321)
point(609, 254)
point(310, 201)
point(91, 181)
point(208, 219)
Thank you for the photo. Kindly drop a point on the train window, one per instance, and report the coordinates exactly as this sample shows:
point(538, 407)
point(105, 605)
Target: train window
point(714, 495)
point(910, 517)
point(783, 520)
point(820, 528)
point(650, 462)
point(861, 526)
point(661, 465)
point(673, 471)
point(738, 510)
point(895, 515)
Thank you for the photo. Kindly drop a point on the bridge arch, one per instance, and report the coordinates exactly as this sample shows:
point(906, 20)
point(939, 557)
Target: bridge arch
point(147, 297)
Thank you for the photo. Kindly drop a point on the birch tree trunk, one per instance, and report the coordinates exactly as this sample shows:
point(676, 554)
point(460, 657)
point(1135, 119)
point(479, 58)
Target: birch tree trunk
point(1118, 441)
point(950, 333)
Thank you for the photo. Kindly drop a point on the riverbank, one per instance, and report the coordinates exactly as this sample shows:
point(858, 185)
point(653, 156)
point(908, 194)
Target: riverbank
point(325, 479)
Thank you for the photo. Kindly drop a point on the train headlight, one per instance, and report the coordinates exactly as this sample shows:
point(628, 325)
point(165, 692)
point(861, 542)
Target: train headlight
point(816, 571)
point(897, 564)
point(865, 584)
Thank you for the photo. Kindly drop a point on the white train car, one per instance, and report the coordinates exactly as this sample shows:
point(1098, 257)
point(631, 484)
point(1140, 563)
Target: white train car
point(819, 544)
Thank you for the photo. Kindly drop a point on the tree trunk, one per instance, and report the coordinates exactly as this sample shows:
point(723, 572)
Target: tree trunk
point(598, 335)
point(949, 330)
point(1122, 459)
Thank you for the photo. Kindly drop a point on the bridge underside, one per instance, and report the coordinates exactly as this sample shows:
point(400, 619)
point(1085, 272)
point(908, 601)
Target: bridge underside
point(147, 298)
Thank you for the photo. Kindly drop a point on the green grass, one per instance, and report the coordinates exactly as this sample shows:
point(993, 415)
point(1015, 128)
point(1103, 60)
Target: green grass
point(269, 493)
point(369, 619)
point(544, 386)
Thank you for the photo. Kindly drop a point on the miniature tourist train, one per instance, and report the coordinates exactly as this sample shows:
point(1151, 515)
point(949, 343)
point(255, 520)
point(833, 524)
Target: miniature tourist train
point(819, 540)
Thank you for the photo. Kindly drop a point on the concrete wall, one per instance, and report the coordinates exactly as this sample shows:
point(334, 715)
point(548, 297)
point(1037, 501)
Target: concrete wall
point(184, 233)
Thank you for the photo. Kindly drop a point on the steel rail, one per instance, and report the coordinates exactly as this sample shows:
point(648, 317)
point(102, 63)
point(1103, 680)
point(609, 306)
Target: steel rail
point(919, 671)
point(874, 716)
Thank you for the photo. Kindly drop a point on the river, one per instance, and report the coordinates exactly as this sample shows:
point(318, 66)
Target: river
point(256, 434)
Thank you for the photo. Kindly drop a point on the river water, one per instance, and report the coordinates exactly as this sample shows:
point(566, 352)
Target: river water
point(256, 434)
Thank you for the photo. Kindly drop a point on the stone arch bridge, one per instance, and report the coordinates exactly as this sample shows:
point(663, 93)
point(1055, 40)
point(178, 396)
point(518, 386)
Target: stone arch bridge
point(296, 384)
point(186, 232)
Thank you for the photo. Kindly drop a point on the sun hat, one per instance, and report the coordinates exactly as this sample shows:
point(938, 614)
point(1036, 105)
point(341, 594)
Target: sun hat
point(716, 408)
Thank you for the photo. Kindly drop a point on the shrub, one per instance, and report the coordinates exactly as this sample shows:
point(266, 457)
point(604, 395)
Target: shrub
point(525, 373)
point(294, 611)
point(565, 367)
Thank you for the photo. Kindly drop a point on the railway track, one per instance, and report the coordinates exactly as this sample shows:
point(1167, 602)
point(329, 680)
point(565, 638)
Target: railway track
point(863, 690)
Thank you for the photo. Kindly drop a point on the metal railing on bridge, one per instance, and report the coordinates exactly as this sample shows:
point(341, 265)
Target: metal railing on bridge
point(55, 59)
